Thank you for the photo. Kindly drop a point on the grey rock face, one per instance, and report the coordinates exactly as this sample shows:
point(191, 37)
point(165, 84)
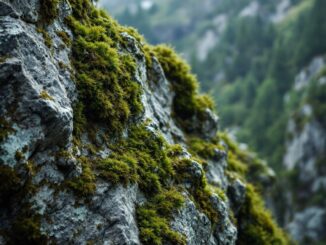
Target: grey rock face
point(308, 224)
point(194, 225)
point(225, 232)
point(26, 9)
point(216, 170)
point(236, 192)
point(304, 148)
point(305, 154)
point(304, 77)
point(208, 127)
point(109, 218)
point(30, 71)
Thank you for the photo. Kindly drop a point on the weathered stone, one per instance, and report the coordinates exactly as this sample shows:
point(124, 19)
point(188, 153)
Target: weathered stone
point(194, 225)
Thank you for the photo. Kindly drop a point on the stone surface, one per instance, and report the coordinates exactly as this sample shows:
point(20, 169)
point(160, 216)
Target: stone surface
point(194, 225)
point(308, 224)
point(304, 210)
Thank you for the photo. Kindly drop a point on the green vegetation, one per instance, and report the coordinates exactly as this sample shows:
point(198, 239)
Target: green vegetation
point(5, 129)
point(3, 58)
point(14, 190)
point(316, 98)
point(255, 223)
point(64, 37)
point(202, 148)
point(83, 185)
point(49, 10)
point(119, 169)
point(46, 37)
point(45, 96)
point(259, 78)
point(153, 219)
point(144, 153)
point(187, 101)
point(108, 92)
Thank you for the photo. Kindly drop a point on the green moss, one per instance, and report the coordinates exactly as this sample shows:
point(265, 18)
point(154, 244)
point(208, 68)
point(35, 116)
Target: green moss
point(183, 169)
point(236, 165)
point(49, 10)
point(187, 101)
point(64, 37)
point(199, 190)
point(46, 37)
point(27, 231)
point(3, 58)
point(119, 169)
point(255, 224)
point(5, 129)
point(203, 199)
point(174, 151)
point(19, 156)
point(45, 96)
point(244, 163)
point(153, 219)
point(83, 185)
point(218, 191)
point(15, 190)
point(9, 183)
point(105, 79)
point(145, 152)
point(203, 148)
point(79, 118)
point(316, 98)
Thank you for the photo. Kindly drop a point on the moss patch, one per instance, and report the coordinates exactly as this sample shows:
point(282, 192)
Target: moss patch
point(153, 219)
point(49, 10)
point(187, 101)
point(45, 96)
point(47, 39)
point(5, 129)
point(244, 163)
point(84, 185)
point(255, 224)
point(145, 158)
point(15, 190)
point(105, 77)
point(4, 58)
point(64, 37)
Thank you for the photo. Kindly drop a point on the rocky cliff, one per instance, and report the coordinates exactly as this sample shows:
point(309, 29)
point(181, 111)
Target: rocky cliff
point(106, 140)
point(304, 161)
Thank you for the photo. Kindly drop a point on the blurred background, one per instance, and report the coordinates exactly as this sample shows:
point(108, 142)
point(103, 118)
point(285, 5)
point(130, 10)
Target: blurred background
point(264, 63)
